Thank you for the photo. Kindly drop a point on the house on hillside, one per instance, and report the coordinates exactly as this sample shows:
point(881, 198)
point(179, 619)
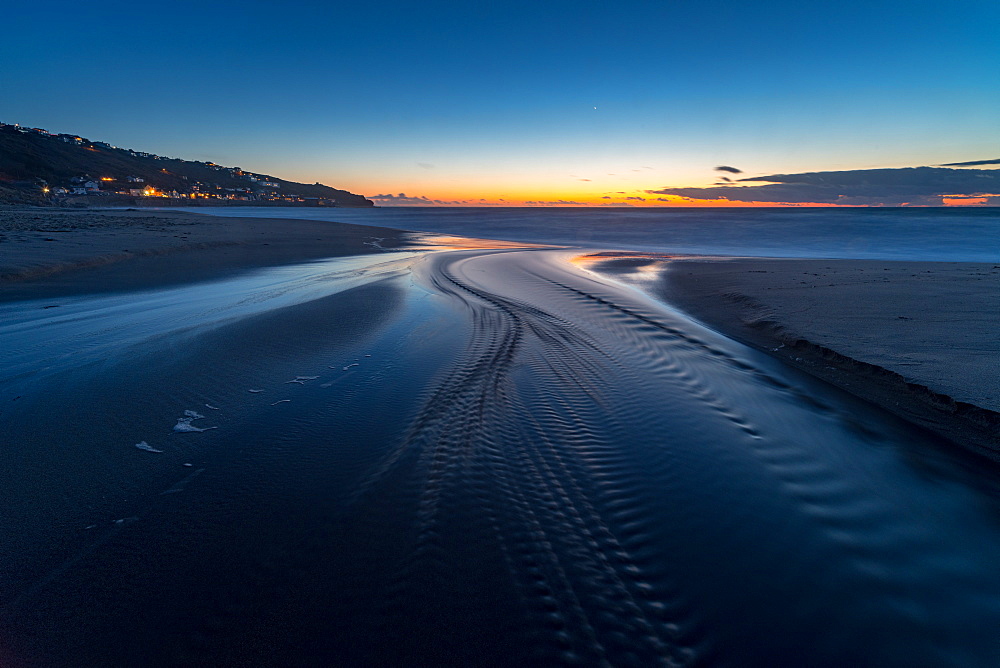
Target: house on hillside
point(135, 179)
point(36, 131)
point(84, 184)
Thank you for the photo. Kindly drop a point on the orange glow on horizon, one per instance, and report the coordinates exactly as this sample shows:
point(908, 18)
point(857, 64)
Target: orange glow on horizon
point(477, 192)
point(967, 201)
point(641, 200)
point(632, 200)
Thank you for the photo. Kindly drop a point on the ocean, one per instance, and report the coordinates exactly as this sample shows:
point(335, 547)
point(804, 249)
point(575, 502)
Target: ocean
point(936, 234)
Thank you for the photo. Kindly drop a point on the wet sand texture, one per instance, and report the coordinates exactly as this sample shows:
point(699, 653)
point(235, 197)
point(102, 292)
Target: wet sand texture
point(475, 457)
point(921, 338)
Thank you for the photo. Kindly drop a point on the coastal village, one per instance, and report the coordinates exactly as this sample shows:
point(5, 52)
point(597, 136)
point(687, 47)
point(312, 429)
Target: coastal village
point(161, 179)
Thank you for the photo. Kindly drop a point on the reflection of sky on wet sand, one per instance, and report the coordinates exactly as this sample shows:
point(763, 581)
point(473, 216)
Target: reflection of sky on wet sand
point(640, 269)
point(92, 327)
point(449, 242)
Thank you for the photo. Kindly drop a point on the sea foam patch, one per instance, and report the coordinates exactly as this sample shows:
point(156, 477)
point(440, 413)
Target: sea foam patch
point(143, 445)
point(301, 380)
point(184, 423)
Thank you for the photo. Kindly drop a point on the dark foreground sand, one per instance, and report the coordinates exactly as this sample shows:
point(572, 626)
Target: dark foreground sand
point(919, 338)
point(478, 457)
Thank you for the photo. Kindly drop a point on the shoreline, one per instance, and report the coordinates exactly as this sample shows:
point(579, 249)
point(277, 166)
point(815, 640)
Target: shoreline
point(438, 429)
point(915, 338)
point(51, 254)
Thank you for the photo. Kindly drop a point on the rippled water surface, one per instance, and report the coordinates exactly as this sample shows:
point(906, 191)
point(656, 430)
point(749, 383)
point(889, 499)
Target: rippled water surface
point(466, 458)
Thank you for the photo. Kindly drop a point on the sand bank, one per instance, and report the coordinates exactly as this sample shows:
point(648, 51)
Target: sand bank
point(46, 252)
point(919, 338)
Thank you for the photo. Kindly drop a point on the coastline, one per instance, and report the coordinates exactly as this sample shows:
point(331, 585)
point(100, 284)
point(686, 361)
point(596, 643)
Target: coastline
point(391, 427)
point(889, 332)
point(916, 338)
point(51, 253)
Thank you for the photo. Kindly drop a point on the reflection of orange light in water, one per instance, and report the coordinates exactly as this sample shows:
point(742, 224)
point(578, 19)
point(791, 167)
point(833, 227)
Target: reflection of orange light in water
point(637, 260)
point(446, 242)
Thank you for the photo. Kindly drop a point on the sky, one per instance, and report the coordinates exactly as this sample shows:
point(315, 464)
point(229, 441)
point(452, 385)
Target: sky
point(487, 103)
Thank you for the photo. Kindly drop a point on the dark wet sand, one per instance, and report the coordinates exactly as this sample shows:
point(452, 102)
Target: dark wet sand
point(480, 457)
point(919, 338)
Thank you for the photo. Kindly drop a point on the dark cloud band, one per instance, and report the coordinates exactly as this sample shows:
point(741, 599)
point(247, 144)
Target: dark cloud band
point(871, 187)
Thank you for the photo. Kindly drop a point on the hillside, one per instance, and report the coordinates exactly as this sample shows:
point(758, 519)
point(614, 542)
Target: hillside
point(29, 156)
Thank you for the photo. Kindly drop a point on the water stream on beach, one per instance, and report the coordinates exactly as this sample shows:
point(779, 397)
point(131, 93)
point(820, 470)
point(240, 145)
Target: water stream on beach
point(466, 458)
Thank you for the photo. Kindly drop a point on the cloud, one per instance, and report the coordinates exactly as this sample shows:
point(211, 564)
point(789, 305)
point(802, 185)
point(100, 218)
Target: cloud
point(402, 199)
point(425, 165)
point(638, 199)
point(974, 163)
point(727, 168)
point(866, 187)
point(583, 179)
point(558, 202)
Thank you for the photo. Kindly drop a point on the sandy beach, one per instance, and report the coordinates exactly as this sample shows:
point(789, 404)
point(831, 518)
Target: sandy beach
point(919, 338)
point(264, 442)
point(53, 251)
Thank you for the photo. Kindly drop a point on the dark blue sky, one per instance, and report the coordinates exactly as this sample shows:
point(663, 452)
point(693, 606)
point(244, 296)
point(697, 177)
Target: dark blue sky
point(457, 99)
